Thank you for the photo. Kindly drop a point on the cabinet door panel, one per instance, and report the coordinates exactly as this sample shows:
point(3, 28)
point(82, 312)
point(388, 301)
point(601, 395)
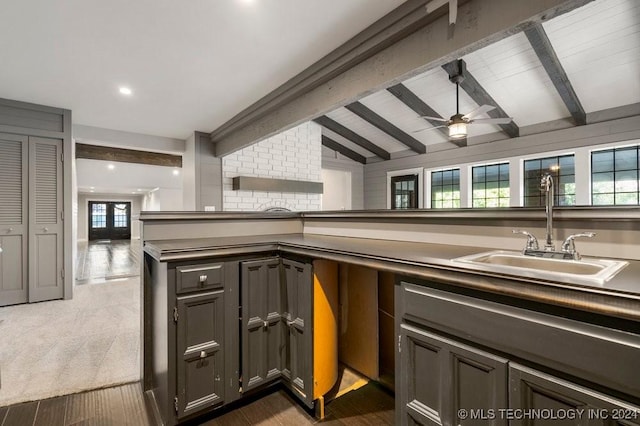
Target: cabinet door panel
point(200, 352)
point(534, 391)
point(298, 316)
point(261, 319)
point(13, 219)
point(440, 376)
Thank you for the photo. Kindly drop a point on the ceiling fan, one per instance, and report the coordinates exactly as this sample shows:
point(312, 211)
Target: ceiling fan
point(457, 124)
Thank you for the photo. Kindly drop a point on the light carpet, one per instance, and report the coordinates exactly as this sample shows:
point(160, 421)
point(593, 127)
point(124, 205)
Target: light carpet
point(67, 346)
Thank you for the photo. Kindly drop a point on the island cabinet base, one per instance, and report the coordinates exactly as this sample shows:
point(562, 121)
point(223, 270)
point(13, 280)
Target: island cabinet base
point(219, 329)
point(463, 360)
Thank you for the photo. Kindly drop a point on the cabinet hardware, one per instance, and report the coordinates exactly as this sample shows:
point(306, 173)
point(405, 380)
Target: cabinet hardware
point(290, 323)
point(175, 314)
point(399, 343)
point(203, 354)
point(217, 379)
point(203, 279)
point(45, 229)
point(62, 273)
point(265, 324)
point(175, 404)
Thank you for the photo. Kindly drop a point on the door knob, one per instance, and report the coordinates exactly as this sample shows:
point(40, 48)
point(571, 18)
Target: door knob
point(203, 354)
point(45, 229)
point(265, 324)
point(9, 230)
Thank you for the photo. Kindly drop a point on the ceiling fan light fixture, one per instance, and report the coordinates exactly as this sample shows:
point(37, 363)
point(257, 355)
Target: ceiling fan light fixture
point(457, 127)
point(458, 130)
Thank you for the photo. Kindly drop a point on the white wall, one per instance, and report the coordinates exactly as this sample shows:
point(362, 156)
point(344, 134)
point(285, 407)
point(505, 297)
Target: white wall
point(332, 160)
point(83, 212)
point(163, 199)
point(294, 154)
point(336, 193)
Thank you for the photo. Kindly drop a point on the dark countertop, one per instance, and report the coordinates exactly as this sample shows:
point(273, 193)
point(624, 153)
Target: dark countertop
point(618, 297)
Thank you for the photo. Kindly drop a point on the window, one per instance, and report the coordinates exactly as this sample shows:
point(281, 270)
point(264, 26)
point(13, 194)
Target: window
point(490, 185)
point(562, 171)
point(614, 176)
point(98, 215)
point(404, 192)
point(120, 216)
point(445, 189)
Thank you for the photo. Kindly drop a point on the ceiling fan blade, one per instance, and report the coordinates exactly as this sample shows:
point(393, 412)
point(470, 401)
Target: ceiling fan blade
point(426, 117)
point(505, 120)
point(427, 128)
point(479, 111)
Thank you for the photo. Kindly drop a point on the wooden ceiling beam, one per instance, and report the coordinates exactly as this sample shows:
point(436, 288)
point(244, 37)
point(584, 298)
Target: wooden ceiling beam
point(546, 53)
point(482, 97)
point(349, 153)
point(374, 119)
point(352, 136)
point(107, 153)
point(412, 100)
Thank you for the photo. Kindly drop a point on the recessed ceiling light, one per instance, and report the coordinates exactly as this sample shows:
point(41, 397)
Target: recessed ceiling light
point(91, 190)
point(176, 172)
point(110, 166)
point(138, 189)
point(134, 192)
point(126, 91)
point(92, 187)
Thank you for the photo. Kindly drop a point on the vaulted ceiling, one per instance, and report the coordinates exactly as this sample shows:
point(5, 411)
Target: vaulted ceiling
point(549, 76)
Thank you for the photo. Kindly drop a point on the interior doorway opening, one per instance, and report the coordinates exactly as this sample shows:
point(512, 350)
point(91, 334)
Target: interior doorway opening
point(109, 220)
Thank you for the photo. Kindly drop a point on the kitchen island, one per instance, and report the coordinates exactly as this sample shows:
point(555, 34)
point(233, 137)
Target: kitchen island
point(524, 340)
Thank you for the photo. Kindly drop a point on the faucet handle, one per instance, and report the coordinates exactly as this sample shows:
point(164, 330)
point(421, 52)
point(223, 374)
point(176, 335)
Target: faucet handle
point(532, 241)
point(569, 246)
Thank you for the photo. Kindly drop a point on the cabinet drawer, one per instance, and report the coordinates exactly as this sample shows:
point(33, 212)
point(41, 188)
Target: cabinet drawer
point(199, 277)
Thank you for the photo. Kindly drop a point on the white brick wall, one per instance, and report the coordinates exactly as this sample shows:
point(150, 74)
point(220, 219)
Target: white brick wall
point(295, 154)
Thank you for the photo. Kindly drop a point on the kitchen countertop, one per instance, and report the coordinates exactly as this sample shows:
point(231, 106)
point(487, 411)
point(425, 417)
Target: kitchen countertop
point(619, 297)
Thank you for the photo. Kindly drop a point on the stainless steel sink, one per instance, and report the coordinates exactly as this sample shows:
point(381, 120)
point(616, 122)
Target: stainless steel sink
point(584, 271)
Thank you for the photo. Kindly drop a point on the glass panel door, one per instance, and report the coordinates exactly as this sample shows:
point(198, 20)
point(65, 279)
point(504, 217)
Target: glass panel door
point(109, 220)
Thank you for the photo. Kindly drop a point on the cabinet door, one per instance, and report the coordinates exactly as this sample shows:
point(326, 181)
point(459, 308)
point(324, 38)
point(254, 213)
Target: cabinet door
point(298, 366)
point(200, 356)
point(439, 378)
point(543, 395)
point(262, 327)
point(45, 219)
point(13, 219)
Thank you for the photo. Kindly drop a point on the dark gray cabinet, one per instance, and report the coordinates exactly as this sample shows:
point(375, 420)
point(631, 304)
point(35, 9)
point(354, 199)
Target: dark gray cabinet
point(217, 329)
point(298, 316)
point(200, 352)
point(442, 381)
point(277, 339)
point(532, 391)
point(263, 339)
point(439, 376)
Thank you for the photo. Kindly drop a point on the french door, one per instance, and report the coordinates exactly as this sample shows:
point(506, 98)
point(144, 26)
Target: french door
point(109, 220)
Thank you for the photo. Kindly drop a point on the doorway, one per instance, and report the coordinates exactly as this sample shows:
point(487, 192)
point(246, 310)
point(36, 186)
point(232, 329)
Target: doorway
point(109, 220)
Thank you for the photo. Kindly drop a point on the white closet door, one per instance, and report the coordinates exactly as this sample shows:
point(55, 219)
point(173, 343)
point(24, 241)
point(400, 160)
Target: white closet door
point(13, 219)
point(45, 219)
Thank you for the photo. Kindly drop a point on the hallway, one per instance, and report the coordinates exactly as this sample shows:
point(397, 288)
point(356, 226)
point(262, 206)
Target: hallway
point(66, 346)
point(107, 259)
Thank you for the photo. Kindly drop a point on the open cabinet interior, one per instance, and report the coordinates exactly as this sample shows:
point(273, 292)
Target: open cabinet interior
point(358, 302)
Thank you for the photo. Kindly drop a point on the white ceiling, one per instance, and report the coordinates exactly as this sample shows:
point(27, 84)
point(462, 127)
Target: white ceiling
point(94, 176)
point(192, 65)
point(598, 46)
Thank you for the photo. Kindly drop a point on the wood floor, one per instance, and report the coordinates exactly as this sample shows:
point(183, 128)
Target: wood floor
point(107, 259)
point(124, 405)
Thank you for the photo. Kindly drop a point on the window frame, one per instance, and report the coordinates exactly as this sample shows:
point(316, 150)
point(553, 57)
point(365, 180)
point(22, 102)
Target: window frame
point(472, 183)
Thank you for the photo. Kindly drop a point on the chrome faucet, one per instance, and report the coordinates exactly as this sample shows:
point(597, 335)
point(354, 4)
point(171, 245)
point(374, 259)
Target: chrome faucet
point(546, 184)
point(568, 250)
